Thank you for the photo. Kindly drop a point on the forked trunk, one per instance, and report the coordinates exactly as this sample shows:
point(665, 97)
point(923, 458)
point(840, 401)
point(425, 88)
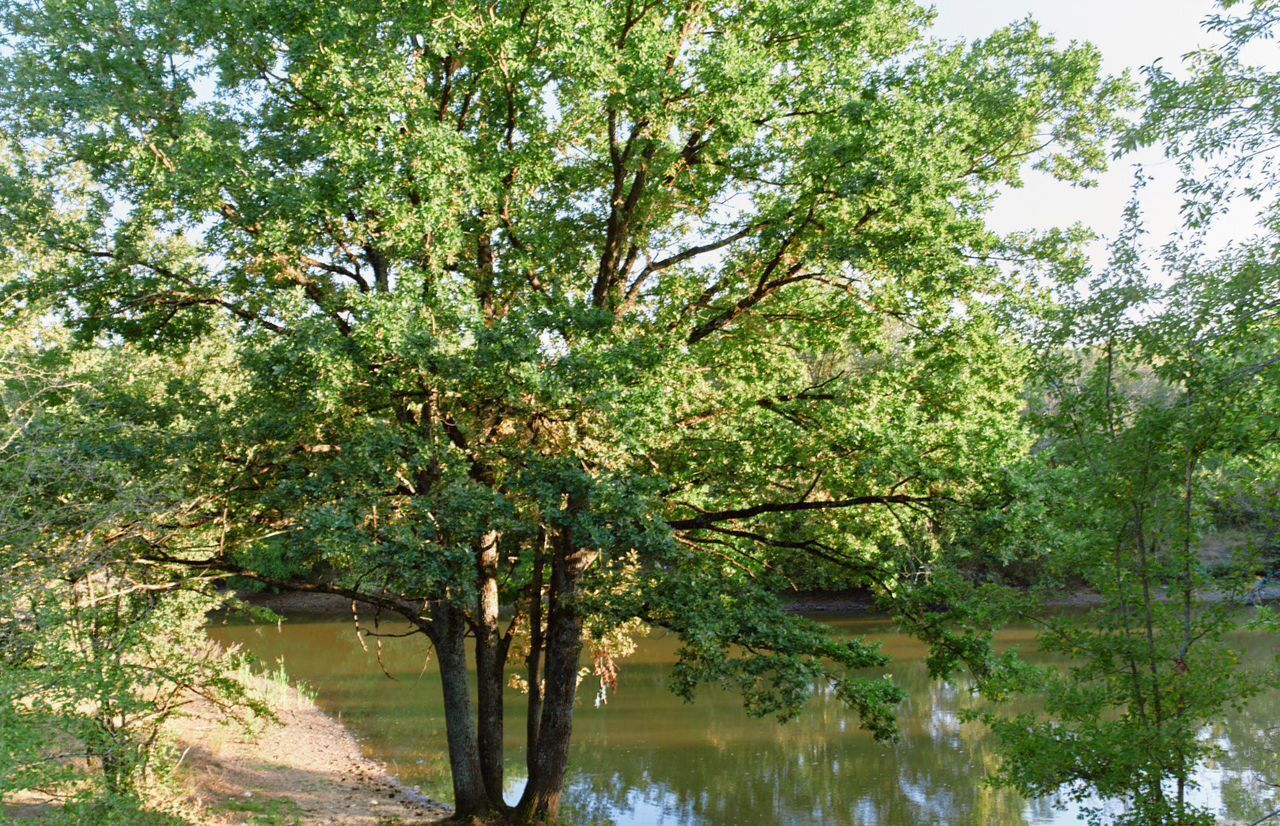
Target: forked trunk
point(563, 647)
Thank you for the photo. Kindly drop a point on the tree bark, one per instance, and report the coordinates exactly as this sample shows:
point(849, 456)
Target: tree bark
point(534, 660)
point(490, 659)
point(541, 799)
point(449, 628)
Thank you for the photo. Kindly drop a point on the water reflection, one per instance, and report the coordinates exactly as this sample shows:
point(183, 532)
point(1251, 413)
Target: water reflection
point(649, 759)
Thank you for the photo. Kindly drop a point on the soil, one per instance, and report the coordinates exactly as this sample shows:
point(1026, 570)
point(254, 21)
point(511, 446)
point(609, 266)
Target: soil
point(302, 603)
point(848, 603)
point(306, 770)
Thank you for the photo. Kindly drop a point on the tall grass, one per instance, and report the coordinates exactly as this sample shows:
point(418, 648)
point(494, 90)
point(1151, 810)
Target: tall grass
point(274, 687)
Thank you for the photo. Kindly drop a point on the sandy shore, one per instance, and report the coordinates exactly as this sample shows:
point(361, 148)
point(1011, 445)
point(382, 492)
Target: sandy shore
point(305, 770)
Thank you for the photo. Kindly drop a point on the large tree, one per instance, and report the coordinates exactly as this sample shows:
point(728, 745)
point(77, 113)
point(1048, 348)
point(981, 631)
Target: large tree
point(551, 316)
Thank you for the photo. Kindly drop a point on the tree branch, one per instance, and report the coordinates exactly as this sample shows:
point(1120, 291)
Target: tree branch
point(708, 519)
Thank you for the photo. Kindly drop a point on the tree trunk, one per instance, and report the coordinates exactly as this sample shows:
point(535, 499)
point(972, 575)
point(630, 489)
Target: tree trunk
point(490, 659)
point(449, 629)
point(541, 799)
point(534, 660)
point(113, 771)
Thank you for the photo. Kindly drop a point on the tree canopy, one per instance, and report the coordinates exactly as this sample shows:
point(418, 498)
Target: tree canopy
point(589, 311)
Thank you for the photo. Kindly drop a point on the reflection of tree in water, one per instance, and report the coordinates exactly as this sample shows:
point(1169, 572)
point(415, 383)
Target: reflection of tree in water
point(648, 758)
point(1250, 741)
point(819, 768)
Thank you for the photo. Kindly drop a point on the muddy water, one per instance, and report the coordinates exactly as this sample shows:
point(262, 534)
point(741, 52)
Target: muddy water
point(646, 758)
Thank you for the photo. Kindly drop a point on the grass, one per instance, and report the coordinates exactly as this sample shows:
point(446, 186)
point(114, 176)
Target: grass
point(274, 687)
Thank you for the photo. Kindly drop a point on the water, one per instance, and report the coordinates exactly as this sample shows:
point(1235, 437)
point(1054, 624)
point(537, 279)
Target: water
point(647, 758)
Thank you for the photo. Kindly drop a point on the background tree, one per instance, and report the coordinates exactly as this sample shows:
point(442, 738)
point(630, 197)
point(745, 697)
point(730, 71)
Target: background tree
point(581, 310)
point(1155, 415)
point(98, 650)
point(1217, 121)
point(1160, 407)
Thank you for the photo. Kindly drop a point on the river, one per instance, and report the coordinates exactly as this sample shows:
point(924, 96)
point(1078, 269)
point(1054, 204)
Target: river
point(647, 758)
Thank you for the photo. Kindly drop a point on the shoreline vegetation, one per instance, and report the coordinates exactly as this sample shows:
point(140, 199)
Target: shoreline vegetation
point(334, 782)
point(304, 769)
point(307, 768)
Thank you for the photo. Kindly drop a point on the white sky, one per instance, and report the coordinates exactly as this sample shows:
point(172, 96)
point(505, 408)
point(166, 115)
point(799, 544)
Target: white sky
point(1130, 34)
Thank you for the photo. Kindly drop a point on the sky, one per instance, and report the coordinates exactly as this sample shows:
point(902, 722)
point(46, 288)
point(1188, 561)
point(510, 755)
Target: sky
point(1130, 34)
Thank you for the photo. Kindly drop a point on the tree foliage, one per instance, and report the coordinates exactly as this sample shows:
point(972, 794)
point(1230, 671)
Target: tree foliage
point(586, 310)
point(1149, 419)
point(98, 650)
point(1154, 410)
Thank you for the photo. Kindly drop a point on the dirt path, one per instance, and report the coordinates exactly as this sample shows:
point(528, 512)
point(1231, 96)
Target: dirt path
point(306, 770)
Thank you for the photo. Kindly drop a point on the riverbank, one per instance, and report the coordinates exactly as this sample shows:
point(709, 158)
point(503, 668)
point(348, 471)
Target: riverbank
point(304, 770)
point(843, 603)
point(301, 603)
